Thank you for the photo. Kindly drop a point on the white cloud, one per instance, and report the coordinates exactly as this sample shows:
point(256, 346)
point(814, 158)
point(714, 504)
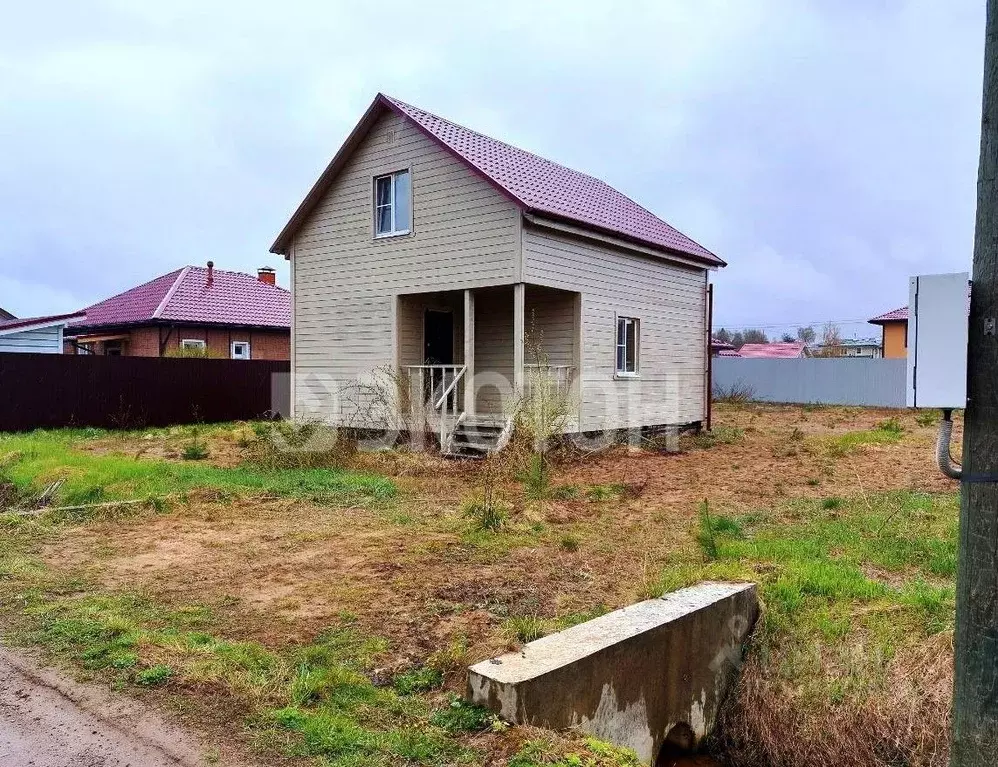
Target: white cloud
point(825, 150)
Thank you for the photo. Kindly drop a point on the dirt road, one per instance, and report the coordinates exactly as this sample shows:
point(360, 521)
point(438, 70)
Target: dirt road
point(47, 721)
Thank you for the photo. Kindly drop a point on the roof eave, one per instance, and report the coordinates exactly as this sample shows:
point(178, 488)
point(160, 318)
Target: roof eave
point(540, 217)
point(39, 323)
point(879, 321)
point(167, 322)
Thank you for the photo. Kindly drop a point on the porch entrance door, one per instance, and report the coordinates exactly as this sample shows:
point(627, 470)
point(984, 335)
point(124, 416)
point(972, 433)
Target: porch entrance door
point(438, 349)
point(438, 338)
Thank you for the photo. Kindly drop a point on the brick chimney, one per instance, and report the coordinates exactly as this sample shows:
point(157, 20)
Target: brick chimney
point(211, 274)
point(267, 275)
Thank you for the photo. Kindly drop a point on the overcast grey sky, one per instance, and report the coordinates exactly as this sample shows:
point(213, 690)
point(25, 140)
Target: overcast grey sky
point(826, 150)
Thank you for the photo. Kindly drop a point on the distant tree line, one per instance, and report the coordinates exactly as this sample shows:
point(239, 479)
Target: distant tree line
point(741, 337)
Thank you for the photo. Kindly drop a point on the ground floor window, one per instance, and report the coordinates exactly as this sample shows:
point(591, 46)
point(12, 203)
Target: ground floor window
point(627, 346)
point(240, 350)
point(192, 343)
point(113, 348)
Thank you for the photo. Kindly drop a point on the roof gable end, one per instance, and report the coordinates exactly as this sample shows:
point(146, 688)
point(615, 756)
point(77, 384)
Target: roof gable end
point(531, 182)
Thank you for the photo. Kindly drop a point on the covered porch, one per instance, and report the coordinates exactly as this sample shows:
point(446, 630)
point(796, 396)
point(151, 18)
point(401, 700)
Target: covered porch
point(473, 356)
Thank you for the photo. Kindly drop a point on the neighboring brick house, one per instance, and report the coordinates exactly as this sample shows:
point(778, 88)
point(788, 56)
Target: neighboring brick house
point(894, 341)
point(225, 314)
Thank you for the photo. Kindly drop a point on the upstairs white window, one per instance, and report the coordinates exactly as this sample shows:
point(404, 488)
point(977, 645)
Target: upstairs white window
point(392, 204)
point(240, 350)
point(628, 339)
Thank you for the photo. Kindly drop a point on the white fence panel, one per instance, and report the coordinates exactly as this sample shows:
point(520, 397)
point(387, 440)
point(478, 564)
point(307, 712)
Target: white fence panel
point(825, 381)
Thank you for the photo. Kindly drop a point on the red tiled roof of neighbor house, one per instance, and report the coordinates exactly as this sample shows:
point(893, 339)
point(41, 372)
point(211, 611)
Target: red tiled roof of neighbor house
point(185, 296)
point(788, 350)
point(892, 316)
point(728, 353)
point(15, 323)
point(536, 185)
point(717, 344)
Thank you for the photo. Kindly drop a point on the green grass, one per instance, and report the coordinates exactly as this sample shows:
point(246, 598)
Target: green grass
point(486, 517)
point(525, 628)
point(719, 435)
point(418, 680)
point(928, 417)
point(194, 452)
point(891, 425)
point(316, 701)
point(461, 716)
point(569, 543)
point(611, 491)
point(32, 461)
point(877, 571)
point(312, 700)
point(543, 753)
point(887, 432)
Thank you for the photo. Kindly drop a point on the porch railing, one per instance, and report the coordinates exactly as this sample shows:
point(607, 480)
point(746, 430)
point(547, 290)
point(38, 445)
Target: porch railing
point(436, 386)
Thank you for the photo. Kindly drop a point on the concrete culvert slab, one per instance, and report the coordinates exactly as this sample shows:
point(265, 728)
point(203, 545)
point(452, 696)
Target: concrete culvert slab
point(639, 677)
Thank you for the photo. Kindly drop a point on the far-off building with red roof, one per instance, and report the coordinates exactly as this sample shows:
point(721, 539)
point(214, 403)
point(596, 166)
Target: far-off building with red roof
point(894, 326)
point(779, 350)
point(191, 311)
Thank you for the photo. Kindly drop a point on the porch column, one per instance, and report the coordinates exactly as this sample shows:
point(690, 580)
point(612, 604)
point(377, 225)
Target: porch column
point(469, 352)
point(518, 308)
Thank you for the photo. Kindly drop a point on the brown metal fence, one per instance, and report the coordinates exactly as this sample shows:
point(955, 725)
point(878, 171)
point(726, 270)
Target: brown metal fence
point(56, 390)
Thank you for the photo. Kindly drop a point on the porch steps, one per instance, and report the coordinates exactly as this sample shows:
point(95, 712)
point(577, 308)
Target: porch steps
point(476, 437)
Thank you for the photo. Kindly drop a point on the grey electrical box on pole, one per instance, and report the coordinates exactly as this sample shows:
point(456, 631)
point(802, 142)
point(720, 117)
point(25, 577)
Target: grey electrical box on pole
point(937, 340)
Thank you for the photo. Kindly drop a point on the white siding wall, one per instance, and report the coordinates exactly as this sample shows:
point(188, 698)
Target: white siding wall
point(493, 349)
point(549, 326)
point(41, 340)
point(670, 302)
point(465, 234)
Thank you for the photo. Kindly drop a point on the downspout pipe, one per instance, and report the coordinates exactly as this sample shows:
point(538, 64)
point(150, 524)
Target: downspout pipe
point(943, 457)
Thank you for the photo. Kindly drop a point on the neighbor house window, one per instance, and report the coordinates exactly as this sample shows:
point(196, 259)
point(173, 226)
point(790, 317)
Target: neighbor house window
point(627, 346)
point(192, 343)
point(392, 204)
point(240, 350)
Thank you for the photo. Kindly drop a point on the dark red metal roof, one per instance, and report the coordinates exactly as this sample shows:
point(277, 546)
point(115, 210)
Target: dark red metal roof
point(549, 188)
point(233, 298)
point(536, 185)
point(896, 315)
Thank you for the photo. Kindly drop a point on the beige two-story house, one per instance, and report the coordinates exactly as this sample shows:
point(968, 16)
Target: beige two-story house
point(476, 268)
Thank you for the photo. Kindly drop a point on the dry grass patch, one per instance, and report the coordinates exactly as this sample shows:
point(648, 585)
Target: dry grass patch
point(440, 589)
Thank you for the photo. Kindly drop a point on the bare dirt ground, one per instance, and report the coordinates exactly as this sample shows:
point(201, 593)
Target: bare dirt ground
point(47, 721)
point(413, 574)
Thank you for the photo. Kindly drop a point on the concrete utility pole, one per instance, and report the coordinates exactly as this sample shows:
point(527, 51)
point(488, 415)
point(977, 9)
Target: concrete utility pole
point(975, 700)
